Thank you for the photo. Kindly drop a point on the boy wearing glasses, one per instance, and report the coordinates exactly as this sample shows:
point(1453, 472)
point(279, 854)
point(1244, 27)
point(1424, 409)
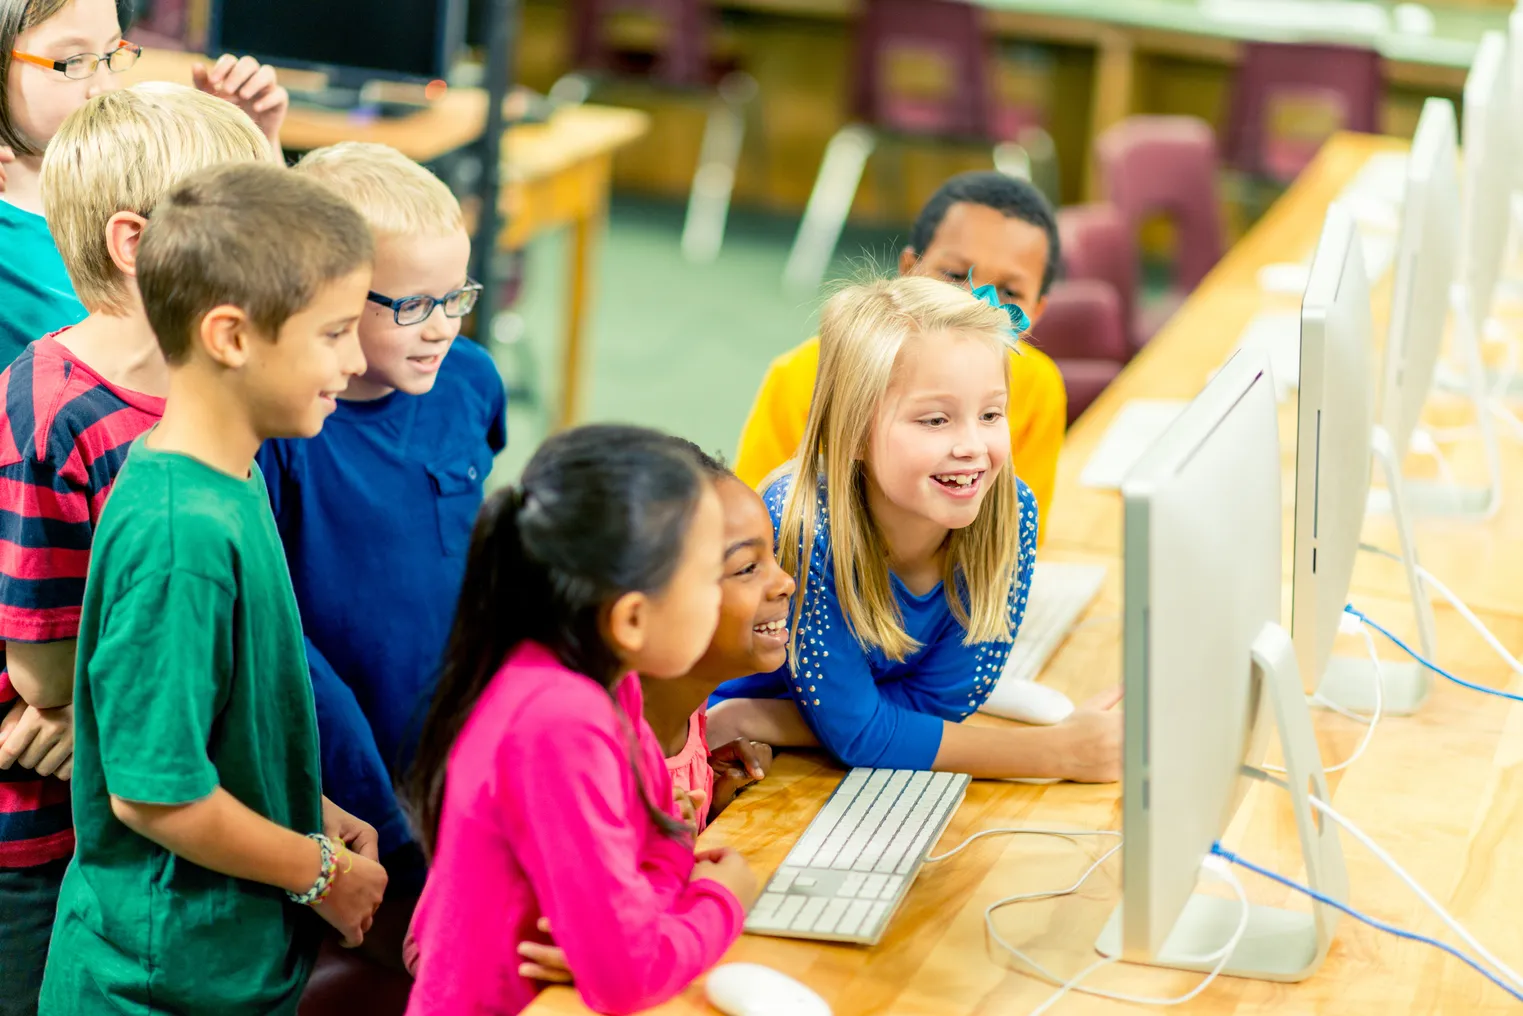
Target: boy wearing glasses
point(70, 405)
point(376, 511)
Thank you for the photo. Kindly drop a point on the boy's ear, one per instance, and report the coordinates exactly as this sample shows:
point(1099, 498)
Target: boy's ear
point(123, 232)
point(1034, 312)
point(225, 334)
point(908, 260)
point(626, 624)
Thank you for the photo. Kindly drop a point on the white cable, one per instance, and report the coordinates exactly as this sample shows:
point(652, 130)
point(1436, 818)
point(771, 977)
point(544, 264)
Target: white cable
point(1508, 417)
point(1066, 834)
point(1221, 957)
point(1374, 718)
point(1390, 862)
point(1459, 607)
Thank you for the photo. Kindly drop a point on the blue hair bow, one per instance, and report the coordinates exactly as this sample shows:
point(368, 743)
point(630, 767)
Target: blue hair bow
point(1019, 323)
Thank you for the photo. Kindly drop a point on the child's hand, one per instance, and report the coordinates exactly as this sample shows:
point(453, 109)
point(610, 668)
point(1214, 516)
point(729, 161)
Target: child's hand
point(250, 86)
point(544, 962)
point(358, 835)
point(689, 805)
point(1092, 741)
point(726, 866)
point(351, 903)
point(751, 758)
point(7, 154)
point(41, 740)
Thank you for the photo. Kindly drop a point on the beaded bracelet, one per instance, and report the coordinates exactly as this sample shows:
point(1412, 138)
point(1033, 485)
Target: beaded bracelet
point(326, 873)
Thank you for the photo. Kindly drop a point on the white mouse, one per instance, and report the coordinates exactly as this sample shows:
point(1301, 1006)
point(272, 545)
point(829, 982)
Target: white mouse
point(749, 989)
point(1414, 19)
point(1289, 279)
point(1028, 702)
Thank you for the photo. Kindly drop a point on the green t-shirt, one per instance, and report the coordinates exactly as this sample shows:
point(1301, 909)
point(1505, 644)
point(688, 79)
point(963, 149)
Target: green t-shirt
point(191, 675)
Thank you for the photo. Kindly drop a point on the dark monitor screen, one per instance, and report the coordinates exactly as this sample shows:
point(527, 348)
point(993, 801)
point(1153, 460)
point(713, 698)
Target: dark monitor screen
point(410, 40)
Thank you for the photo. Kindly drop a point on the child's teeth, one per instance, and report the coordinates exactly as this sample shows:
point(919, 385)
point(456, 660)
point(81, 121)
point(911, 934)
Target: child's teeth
point(961, 479)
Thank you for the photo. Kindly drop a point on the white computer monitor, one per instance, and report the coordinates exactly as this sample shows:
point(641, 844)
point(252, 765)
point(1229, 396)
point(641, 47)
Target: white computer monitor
point(1335, 422)
point(1205, 661)
point(1489, 173)
point(1427, 252)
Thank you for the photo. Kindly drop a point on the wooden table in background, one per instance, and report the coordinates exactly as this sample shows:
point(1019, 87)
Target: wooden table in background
point(1442, 790)
point(557, 174)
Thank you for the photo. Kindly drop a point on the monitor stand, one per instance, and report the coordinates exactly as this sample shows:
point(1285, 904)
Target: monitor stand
point(1280, 944)
point(1350, 680)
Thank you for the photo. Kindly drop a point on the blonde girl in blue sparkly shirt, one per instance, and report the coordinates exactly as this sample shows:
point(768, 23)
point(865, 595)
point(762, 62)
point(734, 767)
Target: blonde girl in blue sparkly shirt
point(913, 545)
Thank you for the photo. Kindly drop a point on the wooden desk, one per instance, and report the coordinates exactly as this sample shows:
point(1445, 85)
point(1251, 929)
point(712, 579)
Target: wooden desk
point(556, 174)
point(1441, 791)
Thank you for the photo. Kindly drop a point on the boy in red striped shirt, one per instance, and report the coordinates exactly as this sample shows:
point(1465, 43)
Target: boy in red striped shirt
point(70, 406)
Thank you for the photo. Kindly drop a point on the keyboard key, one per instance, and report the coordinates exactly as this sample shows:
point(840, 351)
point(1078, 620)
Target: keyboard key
point(768, 903)
point(891, 888)
point(851, 884)
point(805, 882)
point(874, 918)
point(802, 854)
point(863, 803)
point(856, 913)
point(809, 914)
point(789, 910)
point(872, 886)
point(783, 880)
point(834, 911)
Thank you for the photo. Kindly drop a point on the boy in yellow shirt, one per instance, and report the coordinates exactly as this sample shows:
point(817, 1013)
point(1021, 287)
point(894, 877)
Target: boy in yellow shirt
point(1002, 230)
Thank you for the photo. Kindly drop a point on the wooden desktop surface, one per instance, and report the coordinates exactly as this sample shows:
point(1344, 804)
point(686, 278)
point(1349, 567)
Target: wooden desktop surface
point(1442, 791)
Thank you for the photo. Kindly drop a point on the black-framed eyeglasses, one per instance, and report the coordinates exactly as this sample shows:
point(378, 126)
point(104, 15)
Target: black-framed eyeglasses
point(84, 65)
point(414, 310)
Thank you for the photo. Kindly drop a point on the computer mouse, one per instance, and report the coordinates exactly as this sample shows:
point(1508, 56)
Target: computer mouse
point(1028, 702)
point(749, 989)
point(1413, 19)
point(1286, 278)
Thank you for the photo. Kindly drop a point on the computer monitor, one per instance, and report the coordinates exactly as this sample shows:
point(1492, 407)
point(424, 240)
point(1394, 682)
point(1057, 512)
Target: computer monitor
point(354, 42)
point(1204, 660)
point(1427, 253)
point(1489, 173)
point(1515, 61)
point(1335, 421)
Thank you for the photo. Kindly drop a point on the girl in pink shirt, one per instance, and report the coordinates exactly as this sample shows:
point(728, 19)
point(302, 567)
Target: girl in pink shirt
point(540, 790)
point(752, 638)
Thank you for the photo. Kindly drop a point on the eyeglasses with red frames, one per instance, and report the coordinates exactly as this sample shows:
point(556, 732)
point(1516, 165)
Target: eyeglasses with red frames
point(84, 65)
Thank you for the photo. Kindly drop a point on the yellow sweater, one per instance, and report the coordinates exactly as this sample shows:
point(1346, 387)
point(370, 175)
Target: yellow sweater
point(1038, 416)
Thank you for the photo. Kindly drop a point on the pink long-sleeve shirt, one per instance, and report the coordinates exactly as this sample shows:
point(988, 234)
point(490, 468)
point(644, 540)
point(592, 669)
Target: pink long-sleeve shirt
point(542, 817)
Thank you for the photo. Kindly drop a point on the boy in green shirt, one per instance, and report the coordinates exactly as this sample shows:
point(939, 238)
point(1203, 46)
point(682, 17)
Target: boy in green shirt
point(201, 826)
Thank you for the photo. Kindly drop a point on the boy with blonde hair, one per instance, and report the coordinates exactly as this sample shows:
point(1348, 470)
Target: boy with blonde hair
point(206, 852)
point(69, 407)
point(376, 512)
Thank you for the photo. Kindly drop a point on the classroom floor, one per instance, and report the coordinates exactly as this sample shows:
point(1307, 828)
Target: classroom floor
point(672, 345)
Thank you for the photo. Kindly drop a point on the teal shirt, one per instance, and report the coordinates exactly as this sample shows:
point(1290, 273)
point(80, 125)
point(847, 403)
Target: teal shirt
point(36, 296)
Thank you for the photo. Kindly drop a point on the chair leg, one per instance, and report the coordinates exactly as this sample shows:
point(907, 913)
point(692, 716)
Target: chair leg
point(724, 136)
point(829, 203)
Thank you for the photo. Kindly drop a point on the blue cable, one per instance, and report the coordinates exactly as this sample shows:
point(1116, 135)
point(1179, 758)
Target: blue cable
point(1440, 671)
point(1223, 852)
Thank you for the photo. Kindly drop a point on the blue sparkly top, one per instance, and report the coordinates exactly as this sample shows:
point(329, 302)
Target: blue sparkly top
point(865, 708)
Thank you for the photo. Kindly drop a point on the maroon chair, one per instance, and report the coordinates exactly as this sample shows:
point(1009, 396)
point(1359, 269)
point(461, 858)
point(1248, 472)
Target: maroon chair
point(1167, 165)
point(1098, 245)
point(1083, 331)
point(684, 60)
point(1287, 99)
point(344, 983)
point(922, 69)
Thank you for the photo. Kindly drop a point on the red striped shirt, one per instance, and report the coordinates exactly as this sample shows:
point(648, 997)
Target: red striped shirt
point(64, 433)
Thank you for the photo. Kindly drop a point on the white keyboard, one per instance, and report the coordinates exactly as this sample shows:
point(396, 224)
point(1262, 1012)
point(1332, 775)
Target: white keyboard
point(1060, 593)
point(847, 874)
point(1131, 433)
point(1277, 334)
point(1330, 17)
